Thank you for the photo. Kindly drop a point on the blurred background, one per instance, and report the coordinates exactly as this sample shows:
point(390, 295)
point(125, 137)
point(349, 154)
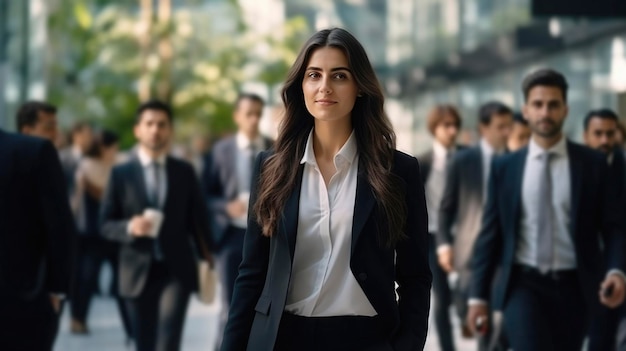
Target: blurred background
point(96, 60)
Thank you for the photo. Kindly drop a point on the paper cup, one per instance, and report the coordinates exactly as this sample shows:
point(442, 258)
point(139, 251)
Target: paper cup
point(156, 217)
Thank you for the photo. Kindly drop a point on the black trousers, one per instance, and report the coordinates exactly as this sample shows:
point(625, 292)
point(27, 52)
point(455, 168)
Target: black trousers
point(27, 325)
point(545, 312)
point(227, 264)
point(92, 252)
point(442, 299)
point(158, 313)
point(343, 333)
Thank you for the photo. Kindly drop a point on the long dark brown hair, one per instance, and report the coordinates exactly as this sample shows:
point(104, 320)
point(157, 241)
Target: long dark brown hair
point(375, 137)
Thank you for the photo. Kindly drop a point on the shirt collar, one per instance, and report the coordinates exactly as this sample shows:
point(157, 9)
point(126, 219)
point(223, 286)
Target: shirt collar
point(244, 143)
point(146, 160)
point(345, 156)
point(76, 151)
point(486, 148)
point(558, 149)
point(441, 151)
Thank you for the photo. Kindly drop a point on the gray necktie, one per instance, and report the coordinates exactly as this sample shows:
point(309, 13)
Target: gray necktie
point(155, 192)
point(545, 216)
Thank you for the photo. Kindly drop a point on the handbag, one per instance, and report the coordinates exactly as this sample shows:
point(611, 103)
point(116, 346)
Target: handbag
point(207, 276)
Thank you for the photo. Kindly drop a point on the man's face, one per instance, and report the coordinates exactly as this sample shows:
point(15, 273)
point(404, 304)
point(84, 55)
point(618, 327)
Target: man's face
point(545, 110)
point(447, 131)
point(601, 134)
point(496, 133)
point(45, 127)
point(519, 137)
point(247, 116)
point(154, 130)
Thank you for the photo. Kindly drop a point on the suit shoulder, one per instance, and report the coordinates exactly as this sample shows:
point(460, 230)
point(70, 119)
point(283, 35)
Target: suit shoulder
point(577, 150)
point(404, 164)
point(425, 156)
point(466, 153)
point(222, 144)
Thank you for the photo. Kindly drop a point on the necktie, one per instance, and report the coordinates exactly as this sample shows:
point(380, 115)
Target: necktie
point(545, 216)
point(155, 191)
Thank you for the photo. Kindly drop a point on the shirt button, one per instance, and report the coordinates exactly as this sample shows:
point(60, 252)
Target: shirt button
point(362, 277)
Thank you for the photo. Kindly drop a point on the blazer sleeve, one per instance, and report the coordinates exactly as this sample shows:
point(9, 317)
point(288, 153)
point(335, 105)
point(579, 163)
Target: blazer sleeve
point(60, 230)
point(612, 222)
point(488, 242)
point(449, 205)
point(251, 278)
point(114, 226)
point(197, 221)
point(413, 274)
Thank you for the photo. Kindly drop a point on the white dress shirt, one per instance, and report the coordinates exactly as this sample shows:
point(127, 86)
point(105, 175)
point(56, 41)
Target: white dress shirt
point(435, 184)
point(150, 177)
point(487, 153)
point(322, 283)
point(564, 252)
point(244, 157)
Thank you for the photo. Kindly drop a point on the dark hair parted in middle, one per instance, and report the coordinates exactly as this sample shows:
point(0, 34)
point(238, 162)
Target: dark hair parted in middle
point(375, 137)
point(154, 105)
point(545, 77)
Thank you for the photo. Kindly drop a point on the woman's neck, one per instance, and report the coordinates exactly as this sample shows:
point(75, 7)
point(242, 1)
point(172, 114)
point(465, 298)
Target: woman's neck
point(329, 138)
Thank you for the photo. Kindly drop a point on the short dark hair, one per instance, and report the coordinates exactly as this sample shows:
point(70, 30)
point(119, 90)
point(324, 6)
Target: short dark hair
point(105, 138)
point(518, 117)
point(78, 127)
point(546, 77)
point(603, 113)
point(248, 96)
point(438, 113)
point(154, 105)
point(28, 113)
point(487, 110)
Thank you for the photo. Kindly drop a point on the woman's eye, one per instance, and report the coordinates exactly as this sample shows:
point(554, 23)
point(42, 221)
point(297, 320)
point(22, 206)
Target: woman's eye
point(313, 75)
point(340, 76)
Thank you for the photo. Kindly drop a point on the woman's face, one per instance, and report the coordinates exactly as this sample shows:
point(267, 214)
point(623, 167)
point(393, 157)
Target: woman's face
point(328, 86)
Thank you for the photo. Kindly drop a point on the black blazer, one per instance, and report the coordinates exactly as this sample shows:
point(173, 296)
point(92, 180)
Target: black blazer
point(426, 162)
point(36, 224)
point(594, 219)
point(261, 288)
point(220, 183)
point(184, 223)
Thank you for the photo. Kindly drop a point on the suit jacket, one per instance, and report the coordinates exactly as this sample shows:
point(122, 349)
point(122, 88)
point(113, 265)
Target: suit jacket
point(594, 219)
point(221, 184)
point(36, 225)
point(426, 161)
point(184, 223)
point(618, 169)
point(462, 204)
point(261, 288)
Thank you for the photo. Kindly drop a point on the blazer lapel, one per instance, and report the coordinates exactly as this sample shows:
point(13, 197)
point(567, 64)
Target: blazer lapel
point(576, 170)
point(230, 158)
point(517, 177)
point(169, 177)
point(364, 203)
point(140, 183)
point(291, 212)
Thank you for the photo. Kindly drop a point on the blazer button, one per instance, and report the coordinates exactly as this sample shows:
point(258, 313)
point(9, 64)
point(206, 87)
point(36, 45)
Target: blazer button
point(362, 277)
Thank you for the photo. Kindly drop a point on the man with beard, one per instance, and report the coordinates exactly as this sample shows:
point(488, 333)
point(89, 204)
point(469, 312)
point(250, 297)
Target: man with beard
point(601, 128)
point(549, 207)
point(153, 207)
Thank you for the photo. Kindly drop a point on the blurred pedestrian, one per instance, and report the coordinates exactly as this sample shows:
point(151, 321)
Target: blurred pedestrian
point(338, 218)
point(154, 208)
point(92, 176)
point(600, 131)
point(520, 134)
point(444, 122)
point(36, 234)
point(549, 208)
point(199, 153)
point(463, 199)
point(227, 186)
point(38, 119)
point(81, 137)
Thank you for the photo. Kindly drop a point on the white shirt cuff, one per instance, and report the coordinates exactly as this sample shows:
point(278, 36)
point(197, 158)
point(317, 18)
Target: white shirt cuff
point(477, 302)
point(617, 272)
point(443, 248)
point(128, 229)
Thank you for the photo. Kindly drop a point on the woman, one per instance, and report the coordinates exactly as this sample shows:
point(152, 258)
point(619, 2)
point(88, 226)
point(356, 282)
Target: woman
point(338, 217)
point(92, 175)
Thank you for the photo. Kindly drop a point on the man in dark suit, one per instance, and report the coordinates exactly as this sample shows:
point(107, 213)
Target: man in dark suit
point(153, 207)
point(600, 129)
point(81, 141)
point(36, 232)
point(550, 206)
point(464, 196)
point(444, 122)
point(227, 187)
